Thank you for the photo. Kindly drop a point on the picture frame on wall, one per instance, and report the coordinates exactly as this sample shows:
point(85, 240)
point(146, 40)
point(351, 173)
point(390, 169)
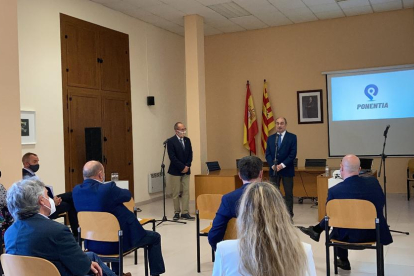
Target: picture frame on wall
point(28, 127)
point(310, 109)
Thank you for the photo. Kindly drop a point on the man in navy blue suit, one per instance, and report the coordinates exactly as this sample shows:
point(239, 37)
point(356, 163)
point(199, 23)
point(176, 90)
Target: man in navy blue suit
point(250, 170)
point(63, 202)
point(354, 187)
point(280, 153)
point(181, 156)
point(34, 234)
point(93, 195)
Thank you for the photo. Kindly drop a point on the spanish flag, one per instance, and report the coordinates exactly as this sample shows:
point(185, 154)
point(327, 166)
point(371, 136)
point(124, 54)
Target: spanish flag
point(268, 122)
point(250, 122)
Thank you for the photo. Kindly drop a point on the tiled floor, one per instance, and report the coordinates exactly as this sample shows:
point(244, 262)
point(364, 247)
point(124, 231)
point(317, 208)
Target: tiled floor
point(179, 243)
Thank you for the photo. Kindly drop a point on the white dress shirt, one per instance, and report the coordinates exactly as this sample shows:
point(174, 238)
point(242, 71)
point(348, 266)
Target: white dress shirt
point(228, 259)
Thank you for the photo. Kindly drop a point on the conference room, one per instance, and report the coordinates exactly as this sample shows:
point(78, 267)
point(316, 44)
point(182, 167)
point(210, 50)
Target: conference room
point(195, 70)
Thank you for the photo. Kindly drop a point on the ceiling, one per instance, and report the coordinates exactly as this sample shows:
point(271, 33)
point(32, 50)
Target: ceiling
point(226, 16)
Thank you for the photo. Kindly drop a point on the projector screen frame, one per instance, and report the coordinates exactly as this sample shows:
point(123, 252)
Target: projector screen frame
point(356, 71)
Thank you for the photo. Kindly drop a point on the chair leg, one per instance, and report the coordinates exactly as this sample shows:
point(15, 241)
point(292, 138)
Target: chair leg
point(335, 259)
point(146, 260)
point(408, 190)
point(136, 257)
point(213, 255)
point(153, 225)
point(198, 254)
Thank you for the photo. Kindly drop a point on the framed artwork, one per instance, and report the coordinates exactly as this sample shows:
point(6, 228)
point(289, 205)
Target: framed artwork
point(28, 127)
point(310, 107)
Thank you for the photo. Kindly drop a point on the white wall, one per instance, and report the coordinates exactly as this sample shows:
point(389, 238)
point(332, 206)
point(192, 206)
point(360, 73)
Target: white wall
point(160, 73)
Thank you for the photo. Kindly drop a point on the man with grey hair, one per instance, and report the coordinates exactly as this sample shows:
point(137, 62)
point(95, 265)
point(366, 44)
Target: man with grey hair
point(34, 234)
point(250, 170)
point(353, 187)
point(93, 195)
point(181, 156)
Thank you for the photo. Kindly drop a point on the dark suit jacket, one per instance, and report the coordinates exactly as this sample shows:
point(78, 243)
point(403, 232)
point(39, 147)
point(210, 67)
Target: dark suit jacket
point(38, 236)
point(286, 154)
point(178, 156)
point(228, 209)
point(366, 188)
point(94, 196)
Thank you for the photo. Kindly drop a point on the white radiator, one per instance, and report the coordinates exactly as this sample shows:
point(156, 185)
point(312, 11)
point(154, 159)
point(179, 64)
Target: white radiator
point(154, 183)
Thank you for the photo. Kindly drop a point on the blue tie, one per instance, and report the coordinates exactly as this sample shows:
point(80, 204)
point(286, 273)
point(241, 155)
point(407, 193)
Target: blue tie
point(182, 143)
point(279, 142)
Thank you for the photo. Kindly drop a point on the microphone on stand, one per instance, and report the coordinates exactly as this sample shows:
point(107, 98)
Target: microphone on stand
point(386, 130)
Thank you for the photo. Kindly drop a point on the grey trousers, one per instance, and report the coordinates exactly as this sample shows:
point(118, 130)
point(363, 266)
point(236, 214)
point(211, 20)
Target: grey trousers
point(288, 187)
point(178, 182)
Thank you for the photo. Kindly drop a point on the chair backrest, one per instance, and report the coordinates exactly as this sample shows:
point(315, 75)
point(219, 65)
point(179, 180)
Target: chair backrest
point(130, 204)
point(231, 230)
point(366, 163)
point(27, 266)
point(213, 166)
point(98, 226)
point(208, 205)
point(315, 162)
point(410, 167)
point(351, 213)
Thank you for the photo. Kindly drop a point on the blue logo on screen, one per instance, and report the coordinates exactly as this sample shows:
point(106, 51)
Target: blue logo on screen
point(370, 91)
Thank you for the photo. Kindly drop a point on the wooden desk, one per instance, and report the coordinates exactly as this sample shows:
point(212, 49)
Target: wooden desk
point(226, 181)
point(217, 182)
point(322, 185)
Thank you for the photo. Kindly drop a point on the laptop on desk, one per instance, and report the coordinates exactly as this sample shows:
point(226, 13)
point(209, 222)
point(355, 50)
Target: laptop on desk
point(366, 165)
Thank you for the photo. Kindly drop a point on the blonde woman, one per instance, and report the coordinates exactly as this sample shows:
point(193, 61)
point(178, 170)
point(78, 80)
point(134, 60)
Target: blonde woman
point(268, 243)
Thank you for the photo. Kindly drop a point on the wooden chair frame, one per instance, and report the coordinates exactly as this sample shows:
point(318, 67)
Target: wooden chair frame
point(208, 205)
point(95, 227)
point(410, 176)
point(131, 206)
point(352, 214)
point(27, 266)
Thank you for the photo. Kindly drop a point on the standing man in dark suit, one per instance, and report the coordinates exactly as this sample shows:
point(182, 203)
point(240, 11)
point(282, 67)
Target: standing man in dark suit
point(181, 156)
point(34, 234)
point(63, 202)
point(282, 148)
point(95, 196)
point(354, 187)
point(250, 170)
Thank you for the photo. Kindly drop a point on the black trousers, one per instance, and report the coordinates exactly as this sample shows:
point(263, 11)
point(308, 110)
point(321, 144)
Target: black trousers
point(67, 205)
point(288, 187)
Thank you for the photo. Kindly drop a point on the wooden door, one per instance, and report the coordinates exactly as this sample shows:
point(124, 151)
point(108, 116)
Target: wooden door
point(84, 111)
point(114, 52)
point(117, 141)
point(82, 60)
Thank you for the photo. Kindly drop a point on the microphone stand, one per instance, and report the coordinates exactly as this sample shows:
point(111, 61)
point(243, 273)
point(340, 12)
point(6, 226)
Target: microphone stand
point(382, 165)
point(164, 218)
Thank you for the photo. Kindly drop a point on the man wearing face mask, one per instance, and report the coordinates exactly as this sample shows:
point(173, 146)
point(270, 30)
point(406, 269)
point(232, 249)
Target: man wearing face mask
point(63, 202)
point(181, 156)
point(34, 234)
point(93, 195)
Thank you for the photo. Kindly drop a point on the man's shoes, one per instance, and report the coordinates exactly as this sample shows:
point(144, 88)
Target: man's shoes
point(343, 264)
point(187, 217)
point(176, 216)
point(310, 232)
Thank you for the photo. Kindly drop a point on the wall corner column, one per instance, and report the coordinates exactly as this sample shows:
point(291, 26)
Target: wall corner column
point(195, 93)
point(10, 140)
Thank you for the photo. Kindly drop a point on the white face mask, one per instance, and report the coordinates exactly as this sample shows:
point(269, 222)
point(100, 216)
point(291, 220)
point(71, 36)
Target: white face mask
point(52, 207)
point(181, 133)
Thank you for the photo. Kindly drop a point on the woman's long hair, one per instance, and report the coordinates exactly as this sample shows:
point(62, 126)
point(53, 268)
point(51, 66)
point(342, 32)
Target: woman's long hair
point(269, 244)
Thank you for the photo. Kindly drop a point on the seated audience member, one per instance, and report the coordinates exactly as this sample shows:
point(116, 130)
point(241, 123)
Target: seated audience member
point(34, 234)
point(5, 218)
point(267, 243)
point(353, 187)
point(93, 195)
point(63, 202)
point(250, 170)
